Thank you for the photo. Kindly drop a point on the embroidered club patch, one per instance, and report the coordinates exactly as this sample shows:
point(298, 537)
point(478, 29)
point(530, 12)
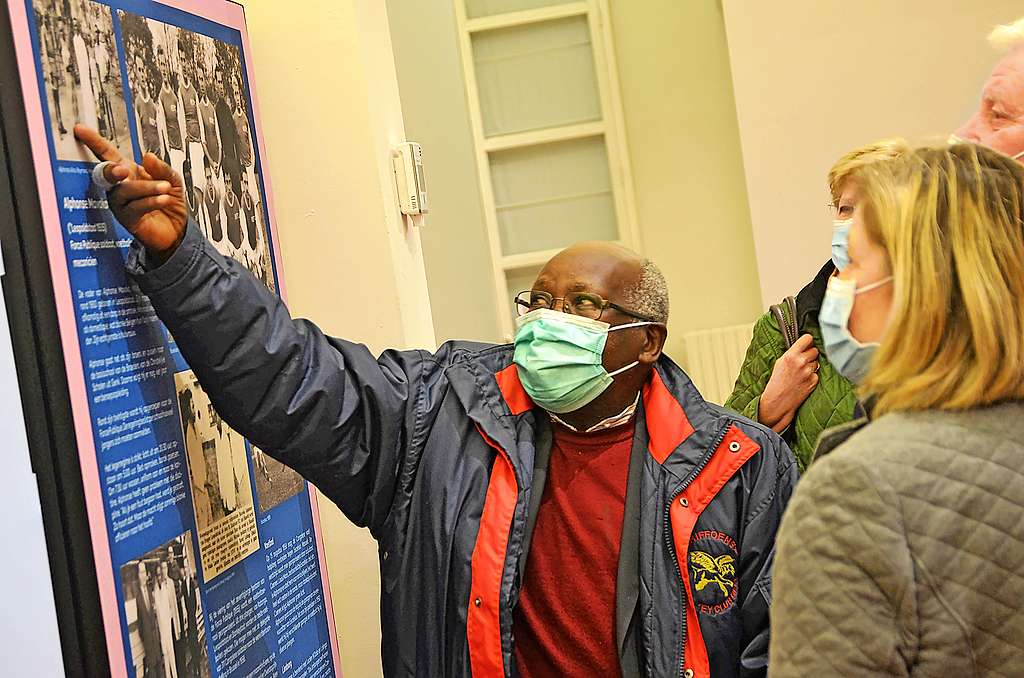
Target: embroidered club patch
point(713, 571)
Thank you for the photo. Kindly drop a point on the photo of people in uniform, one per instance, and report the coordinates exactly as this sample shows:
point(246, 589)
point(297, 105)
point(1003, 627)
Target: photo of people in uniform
point(275, 482)
point(217, 463)
point(164, 611)
point(81, 75)
point(192, 110)
point(219, 477)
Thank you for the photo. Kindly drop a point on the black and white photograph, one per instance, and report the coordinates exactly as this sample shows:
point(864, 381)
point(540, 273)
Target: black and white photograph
point(218, 474)
point(165, 612)
point(191, 109)
point(275, 482)
point(81, 74)
point(217, 465)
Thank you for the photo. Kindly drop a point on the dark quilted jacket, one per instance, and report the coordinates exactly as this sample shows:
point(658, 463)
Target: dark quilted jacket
point(834, 400)
point(902, 553)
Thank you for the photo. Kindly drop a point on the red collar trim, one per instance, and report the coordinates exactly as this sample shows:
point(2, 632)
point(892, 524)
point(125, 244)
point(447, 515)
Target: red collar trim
point(667, 425)
point(512, 390)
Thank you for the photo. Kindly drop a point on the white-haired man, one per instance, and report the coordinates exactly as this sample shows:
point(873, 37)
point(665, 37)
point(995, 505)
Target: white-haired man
point(999, 121)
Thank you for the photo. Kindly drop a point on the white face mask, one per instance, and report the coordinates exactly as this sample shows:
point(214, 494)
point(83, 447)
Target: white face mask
point(954, 139)
point(850, 357)
point(841, 242)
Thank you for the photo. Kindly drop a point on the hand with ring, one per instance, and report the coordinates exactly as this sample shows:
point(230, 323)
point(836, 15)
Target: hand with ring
point(794, 377)
point(147, 199)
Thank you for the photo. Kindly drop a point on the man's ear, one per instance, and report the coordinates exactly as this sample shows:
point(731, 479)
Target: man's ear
point(654, 342)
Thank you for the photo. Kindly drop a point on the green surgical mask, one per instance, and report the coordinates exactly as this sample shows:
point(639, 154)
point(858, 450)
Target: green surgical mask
point(558, 357)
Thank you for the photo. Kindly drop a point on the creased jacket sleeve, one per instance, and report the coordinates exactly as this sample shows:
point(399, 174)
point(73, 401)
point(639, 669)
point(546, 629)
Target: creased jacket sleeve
point(771, 484)
point(762, 352)
point(323, 406)
point(844, 594)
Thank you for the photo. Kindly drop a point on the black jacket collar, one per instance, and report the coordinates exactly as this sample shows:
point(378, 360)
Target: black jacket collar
point(808, 301)
point(832, 438)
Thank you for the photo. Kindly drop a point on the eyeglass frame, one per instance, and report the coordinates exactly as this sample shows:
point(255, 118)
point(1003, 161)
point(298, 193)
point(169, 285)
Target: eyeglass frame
point(605, 304)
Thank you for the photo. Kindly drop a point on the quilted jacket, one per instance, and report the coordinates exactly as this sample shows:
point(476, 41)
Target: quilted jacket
point(903, 551)
point(441, 456)
point(832, 403)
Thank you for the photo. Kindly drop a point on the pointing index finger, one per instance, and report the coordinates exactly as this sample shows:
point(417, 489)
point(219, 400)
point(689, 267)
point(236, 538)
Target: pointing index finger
point(101, 148)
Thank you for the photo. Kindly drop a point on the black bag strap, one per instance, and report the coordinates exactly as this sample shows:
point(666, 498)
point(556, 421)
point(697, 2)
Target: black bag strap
point(785, 316)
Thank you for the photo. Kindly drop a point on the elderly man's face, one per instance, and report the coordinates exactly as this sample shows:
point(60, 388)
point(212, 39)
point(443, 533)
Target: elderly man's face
point(999, 120)
point(607, 271)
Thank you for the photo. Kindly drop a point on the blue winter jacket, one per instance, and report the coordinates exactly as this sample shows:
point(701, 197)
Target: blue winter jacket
point(443, 456)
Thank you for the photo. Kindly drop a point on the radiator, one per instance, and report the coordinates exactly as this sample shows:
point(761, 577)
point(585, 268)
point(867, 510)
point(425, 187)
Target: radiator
point(714, 357)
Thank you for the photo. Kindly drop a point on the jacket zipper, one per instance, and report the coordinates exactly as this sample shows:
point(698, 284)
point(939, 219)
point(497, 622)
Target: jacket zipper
point(671, 542)
point(519, 483)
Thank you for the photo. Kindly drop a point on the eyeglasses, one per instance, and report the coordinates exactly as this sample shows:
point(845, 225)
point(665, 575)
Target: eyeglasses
point(584, 304)
point(840, 211)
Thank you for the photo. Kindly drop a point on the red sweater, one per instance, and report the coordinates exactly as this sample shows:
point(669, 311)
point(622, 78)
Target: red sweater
point(565, 622)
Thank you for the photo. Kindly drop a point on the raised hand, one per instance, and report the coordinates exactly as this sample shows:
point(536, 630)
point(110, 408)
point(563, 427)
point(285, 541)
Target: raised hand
point(148, 200)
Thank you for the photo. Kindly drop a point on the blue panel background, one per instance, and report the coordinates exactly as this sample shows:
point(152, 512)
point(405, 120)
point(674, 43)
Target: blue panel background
point(282, 522)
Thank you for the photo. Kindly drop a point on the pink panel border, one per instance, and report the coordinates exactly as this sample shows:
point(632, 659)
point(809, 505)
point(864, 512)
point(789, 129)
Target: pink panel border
point(69, 337)
point(228, 14)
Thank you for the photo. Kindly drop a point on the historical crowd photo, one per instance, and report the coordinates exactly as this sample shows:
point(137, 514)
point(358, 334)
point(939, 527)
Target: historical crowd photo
point(165, 612)
point(81, 74)
point(192, 111)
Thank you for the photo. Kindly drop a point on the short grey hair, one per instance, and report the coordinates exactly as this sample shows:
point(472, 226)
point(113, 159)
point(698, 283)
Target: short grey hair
point(1006, 37)
point(648, 296)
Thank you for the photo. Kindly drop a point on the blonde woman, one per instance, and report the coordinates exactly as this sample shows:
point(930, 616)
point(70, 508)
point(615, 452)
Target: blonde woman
point(799, 392)
point(902, 552)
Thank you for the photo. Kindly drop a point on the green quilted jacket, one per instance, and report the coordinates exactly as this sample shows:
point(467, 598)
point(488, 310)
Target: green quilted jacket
point(832, 403)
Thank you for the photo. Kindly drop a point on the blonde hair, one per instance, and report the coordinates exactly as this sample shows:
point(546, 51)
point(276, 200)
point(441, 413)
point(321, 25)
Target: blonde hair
point(1006, 37)
point(847, 166)
point(950, 219)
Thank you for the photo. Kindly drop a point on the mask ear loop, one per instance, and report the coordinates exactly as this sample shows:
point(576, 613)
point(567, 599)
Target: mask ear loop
point(623, 327)
point(641, 323)
point(623, 369)
point(874, 285)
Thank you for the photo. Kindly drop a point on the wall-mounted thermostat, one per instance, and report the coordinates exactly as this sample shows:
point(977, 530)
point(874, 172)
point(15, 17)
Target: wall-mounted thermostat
point(407, 161)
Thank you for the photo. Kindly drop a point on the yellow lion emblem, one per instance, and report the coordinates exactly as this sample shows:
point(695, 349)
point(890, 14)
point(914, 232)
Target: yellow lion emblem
point(708, 570)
